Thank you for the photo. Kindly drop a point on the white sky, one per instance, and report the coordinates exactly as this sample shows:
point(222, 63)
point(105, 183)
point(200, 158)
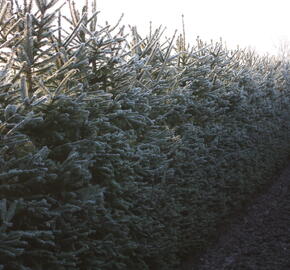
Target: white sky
point(261, 24)
point(258, 23)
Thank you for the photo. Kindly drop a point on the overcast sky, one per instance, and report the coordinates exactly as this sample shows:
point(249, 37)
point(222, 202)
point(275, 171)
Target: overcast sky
point(261, 24)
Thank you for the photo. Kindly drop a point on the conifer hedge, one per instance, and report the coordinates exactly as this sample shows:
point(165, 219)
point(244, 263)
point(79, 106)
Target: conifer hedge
point(123, 152)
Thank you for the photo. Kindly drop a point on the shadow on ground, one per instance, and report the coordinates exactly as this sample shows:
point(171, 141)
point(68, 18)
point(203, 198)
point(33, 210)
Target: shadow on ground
point(258, 239)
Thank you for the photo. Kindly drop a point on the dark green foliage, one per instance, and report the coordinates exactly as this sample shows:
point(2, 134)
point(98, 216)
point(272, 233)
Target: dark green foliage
point(127, 155)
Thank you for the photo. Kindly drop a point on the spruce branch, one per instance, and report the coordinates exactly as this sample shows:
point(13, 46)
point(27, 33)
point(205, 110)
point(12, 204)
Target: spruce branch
point(74, 32)
point(93, 18)
point(19, 125)
point(24, 88)
point(70, 74)
point(5, 5)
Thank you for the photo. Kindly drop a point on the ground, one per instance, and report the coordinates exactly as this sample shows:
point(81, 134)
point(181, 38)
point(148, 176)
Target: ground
point(256, 239)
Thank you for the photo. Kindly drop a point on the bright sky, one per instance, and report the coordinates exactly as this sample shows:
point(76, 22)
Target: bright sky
point(257, 23)
point(261, 24)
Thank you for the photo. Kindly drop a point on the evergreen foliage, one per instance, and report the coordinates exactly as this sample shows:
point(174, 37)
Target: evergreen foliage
point(126, 153)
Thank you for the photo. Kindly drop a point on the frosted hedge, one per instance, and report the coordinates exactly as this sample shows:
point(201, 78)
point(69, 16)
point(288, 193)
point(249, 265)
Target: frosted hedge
point(123, 152)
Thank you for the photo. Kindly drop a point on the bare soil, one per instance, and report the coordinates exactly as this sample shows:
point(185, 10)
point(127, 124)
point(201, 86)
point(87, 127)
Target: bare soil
point(257, 239)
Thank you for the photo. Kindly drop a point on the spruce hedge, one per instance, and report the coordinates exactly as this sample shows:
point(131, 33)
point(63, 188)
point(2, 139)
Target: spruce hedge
point(123, 152)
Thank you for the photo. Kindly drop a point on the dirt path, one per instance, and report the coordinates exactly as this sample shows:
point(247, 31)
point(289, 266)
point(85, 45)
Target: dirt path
point(259, 239)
